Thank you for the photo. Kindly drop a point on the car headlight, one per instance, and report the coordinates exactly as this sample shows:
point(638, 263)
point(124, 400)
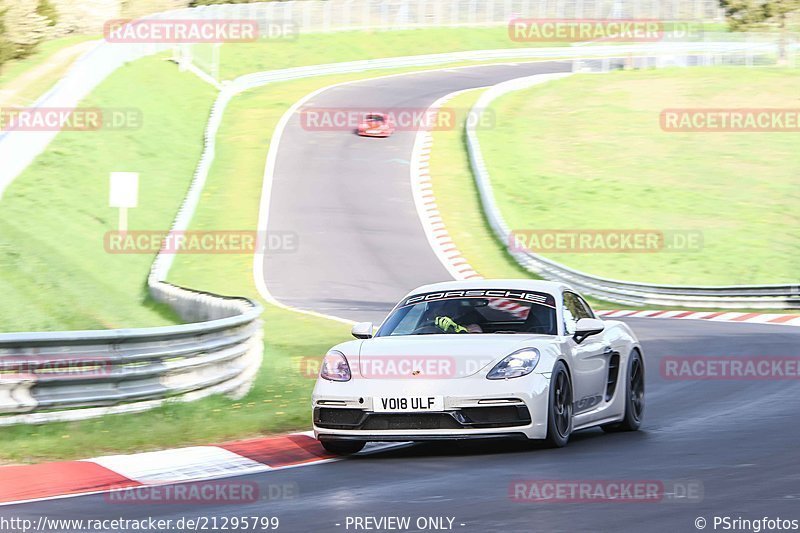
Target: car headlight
point(520, 363)
point(334, 367)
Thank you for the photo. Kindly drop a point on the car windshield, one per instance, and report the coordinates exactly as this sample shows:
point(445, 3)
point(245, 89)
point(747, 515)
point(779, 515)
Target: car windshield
point(374, 118)
point(429, 314)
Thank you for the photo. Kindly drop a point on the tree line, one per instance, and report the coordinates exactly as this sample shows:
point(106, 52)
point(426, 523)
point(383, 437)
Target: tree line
point(23, 25)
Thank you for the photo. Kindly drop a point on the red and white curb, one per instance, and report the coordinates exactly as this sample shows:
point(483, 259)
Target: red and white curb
point(26, 483)
point(427, 209)
point(714, 316)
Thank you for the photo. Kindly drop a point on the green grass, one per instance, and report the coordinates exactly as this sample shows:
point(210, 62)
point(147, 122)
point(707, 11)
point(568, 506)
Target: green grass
point(12, 70)
point(587, 152)
point(314, 49)
point(56, 273)
point(44, 51)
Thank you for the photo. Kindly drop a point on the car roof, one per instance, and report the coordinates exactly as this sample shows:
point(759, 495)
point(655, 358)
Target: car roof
point(551, 287)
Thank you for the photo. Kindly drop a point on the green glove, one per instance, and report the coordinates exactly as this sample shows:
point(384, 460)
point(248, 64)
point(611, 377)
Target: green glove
point(445, 323)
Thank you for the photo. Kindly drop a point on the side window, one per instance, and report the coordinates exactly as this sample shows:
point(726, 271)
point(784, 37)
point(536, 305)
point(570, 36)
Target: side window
point(574, 309)
point(586, 307)
point(569, 313)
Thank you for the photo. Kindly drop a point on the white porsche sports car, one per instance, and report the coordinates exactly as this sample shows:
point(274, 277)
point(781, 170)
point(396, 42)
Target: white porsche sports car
point(480, 359)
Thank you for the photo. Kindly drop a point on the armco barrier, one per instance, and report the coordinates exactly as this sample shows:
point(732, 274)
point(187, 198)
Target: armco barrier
point(72, 375)
point(626, 292)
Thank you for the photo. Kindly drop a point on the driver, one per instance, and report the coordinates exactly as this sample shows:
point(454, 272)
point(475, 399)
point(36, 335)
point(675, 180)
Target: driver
point(452, 316)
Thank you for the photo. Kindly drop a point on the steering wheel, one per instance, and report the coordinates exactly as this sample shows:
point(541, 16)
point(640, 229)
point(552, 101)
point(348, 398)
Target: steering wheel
point(426, 329)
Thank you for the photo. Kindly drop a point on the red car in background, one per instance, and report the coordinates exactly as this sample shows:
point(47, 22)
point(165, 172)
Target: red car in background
point(376, 125)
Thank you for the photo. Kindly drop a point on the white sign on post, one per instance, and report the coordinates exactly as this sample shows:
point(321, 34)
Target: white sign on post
point(123, 193)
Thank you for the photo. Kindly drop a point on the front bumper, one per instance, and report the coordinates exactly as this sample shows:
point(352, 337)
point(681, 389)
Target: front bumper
point(379, 133)
point(474, 407)
point(422, 437)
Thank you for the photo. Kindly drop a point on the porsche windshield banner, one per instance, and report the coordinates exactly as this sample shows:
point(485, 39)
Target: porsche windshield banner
point(519, 295)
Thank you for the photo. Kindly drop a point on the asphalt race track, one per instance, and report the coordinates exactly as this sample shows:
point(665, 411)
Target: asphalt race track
point(362, 247)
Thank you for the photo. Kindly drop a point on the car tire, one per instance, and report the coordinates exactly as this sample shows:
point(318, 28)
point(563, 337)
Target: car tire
point(559, 407)
point(343, 447)
point(634, 396)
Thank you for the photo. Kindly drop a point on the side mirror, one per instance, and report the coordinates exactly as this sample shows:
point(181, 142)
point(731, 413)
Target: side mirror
point(586, 327)
point(362, 330)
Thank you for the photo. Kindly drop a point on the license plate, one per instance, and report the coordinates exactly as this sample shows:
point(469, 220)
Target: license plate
point(408, 404)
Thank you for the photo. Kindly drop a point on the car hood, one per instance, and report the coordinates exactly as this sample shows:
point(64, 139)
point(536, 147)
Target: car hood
point(447, 356)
